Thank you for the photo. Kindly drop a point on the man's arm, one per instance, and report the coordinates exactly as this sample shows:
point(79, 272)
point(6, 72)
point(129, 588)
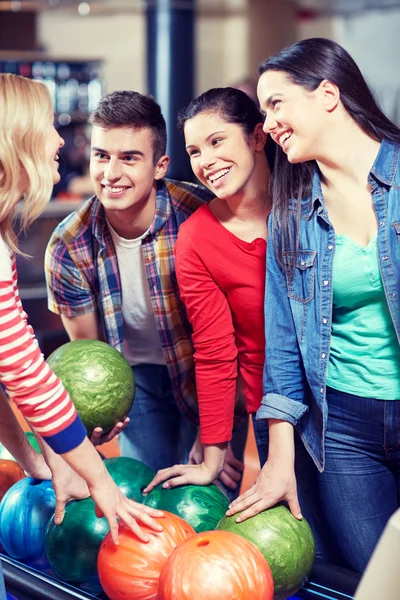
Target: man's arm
point(83, 327)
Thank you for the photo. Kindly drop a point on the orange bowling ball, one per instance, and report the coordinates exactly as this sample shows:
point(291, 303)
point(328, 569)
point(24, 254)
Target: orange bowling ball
point(216, 565)
point(132, 569)
point(10, 473)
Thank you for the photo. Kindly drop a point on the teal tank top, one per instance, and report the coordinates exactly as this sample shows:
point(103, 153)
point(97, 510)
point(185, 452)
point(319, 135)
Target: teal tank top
point(364, 356)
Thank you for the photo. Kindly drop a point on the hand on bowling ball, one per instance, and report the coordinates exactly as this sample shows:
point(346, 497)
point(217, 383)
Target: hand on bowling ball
point(274, 483)
point(36, 467)
point(68, 485)
point(232, 470)
point(182, 475)
point(112, 504)
point(98, 437)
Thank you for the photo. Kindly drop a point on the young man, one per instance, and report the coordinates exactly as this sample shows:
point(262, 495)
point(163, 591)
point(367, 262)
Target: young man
point(111, 275)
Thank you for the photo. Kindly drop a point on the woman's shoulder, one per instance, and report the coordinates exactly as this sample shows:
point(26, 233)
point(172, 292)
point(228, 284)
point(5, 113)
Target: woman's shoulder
point(202, 217)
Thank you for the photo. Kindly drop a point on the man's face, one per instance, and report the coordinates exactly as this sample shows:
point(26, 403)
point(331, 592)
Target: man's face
point(122, 167)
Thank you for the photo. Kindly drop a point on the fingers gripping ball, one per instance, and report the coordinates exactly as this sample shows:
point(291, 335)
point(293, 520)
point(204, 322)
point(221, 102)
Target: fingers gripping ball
point(132, 569)
point(98, 379)
point(286, 543)
point(216, 565)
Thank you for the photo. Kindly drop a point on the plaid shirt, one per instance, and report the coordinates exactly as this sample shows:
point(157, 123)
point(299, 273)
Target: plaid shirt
point(82, 277)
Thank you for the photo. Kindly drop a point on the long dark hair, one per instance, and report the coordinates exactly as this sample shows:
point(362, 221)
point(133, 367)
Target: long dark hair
point(307, 63)
point(234, 106)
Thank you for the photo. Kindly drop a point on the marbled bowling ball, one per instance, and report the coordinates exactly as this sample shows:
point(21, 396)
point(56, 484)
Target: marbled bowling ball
point(24, 513)
point(216, 565)
point(130, 571)
point(10, 473)
point(130, 475)
point(202, 506)
point(72, 546)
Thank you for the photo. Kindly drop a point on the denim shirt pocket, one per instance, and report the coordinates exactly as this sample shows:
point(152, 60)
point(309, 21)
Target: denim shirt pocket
point(301, 285)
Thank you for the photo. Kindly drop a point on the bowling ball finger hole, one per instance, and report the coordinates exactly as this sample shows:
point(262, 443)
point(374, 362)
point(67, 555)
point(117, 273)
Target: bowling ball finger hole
point(202, 543)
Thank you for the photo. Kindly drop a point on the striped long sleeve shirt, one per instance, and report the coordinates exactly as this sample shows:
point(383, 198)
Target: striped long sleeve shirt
point(27, 378)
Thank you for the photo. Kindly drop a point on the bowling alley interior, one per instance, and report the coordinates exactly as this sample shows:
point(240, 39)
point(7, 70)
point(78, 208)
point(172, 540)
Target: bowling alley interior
point(74, 293)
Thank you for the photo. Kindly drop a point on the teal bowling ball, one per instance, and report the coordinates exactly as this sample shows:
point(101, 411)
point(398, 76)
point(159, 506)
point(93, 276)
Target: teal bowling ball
point(72, 546)
point(202, 506)
point(130, 475)
point(24, 514)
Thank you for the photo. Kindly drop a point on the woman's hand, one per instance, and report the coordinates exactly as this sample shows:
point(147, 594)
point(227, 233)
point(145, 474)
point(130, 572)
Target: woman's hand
point(98, 437)
point(274, 484)
point(68, 485)
point(231, 474)
point(112, 504)
point(183, 475)
point(36, 467)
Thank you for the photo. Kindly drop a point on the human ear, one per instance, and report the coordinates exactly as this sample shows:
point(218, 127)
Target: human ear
point(260, 137)
point(330, 95)
point(162, 167)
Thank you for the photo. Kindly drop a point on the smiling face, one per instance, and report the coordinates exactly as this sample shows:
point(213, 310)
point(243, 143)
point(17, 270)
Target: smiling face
point(295, 117)
point(122, 167)
point(222, 156)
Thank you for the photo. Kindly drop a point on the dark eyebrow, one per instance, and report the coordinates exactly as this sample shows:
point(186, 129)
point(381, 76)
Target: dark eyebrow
point(207, 138)
point(124, 153)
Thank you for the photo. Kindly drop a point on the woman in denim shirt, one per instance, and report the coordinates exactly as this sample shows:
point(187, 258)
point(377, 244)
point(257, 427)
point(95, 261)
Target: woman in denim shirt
point(332, 371)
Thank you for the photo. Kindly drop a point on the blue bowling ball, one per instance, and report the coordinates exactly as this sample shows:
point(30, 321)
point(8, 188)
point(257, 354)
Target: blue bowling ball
point(24, 513)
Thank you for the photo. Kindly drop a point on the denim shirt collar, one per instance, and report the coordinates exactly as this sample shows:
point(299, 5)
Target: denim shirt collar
point(384, 170)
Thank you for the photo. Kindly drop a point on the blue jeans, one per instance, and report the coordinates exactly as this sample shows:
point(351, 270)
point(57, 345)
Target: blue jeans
point(349, 504)
point(158, 434)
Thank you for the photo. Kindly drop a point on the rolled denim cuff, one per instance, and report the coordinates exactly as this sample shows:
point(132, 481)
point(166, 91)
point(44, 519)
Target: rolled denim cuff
point(275, 406)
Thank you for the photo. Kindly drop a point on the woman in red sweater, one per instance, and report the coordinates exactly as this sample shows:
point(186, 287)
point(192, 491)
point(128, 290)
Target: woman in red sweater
point(29, 147)
point(220, 266)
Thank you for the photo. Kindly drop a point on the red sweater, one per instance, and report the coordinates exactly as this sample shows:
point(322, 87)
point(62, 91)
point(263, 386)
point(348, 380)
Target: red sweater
point(221, 281)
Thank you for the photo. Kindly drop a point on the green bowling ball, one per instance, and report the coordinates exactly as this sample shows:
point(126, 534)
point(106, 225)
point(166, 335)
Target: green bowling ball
point(72, 547)
point(202, 506)
point(5, 454)
point(130, 475)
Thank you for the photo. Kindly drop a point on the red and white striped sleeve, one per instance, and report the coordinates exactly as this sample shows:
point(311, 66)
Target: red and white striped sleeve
point(24, 373)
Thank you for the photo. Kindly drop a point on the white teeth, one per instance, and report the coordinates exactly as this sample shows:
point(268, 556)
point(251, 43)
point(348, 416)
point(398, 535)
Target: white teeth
point(284, 137)
point(215, 176)
point(114, 190)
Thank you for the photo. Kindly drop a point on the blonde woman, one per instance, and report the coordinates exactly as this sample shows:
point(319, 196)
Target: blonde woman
point(29, 146)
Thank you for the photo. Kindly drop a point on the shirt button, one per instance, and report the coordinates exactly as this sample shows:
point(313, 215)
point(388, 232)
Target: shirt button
point(323, 355)
point(330, 247)
point(324, 321)
point(382, 223)
point(321, 390)
point(385, 257)
point(326, 282)
point(303, 262)
point(394, 295)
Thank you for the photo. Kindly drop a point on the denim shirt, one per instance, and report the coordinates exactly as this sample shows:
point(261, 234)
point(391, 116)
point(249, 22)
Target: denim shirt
point(298, 314)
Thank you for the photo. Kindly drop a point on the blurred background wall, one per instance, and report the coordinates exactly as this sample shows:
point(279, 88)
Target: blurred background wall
point(173, 49)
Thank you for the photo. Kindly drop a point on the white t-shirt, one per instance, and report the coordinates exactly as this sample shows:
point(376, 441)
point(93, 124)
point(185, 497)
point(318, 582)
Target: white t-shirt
point(142, 343)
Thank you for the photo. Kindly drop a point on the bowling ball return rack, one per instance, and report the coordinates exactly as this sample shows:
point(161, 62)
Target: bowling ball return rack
point(326, 581)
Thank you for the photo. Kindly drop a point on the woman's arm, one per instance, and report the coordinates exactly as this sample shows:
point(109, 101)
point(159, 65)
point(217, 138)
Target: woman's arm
point(282, 403)
point(215, 363)
point(47, 407)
